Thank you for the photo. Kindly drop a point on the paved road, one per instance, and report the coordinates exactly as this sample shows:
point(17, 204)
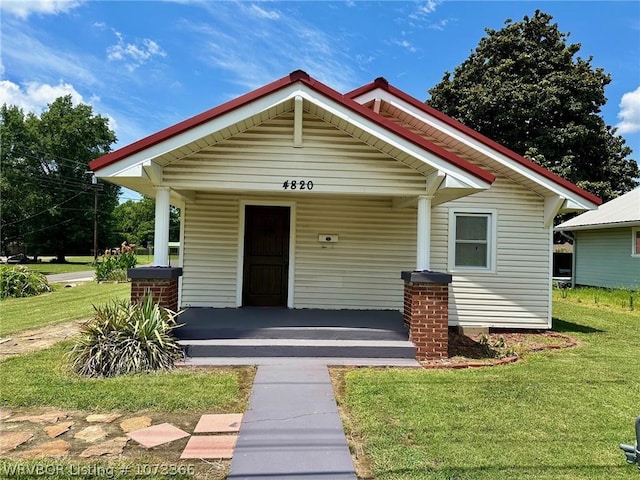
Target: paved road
point(72, 277)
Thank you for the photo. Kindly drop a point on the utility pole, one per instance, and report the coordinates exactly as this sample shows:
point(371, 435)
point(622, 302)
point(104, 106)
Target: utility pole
point(94, 181)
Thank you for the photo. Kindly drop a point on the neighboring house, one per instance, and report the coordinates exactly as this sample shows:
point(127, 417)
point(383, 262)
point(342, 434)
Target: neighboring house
point(606, 249)
point(296, 195)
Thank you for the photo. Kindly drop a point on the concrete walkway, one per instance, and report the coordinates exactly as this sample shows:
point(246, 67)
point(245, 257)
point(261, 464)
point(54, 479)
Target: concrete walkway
point(292, 429)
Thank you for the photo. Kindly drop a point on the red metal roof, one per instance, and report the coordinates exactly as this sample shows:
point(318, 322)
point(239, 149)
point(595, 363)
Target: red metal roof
point(302, 77)
point(384, 84)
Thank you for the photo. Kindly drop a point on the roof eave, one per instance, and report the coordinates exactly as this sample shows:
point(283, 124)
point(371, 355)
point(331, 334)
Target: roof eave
point(596, 226)
point(381, 83)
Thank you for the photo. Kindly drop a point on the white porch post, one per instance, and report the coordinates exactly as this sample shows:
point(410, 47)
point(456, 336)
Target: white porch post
point(423, 248)
point(161, 235)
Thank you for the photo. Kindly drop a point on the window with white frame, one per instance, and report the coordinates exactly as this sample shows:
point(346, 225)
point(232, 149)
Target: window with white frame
point(472, 240)
point(635, 251)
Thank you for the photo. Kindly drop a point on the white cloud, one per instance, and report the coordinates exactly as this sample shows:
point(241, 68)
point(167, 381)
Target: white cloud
point(24, 8)
point(134, 54)
point(252, 48)
point(428, 7)
point(405, 44)
point(629, 114)
point(32, 58)
point(424, 9)
point(262, 13)
point(34, 96)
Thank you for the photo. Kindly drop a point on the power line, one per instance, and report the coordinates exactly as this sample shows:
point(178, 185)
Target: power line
point(44, 211)
point(40, 229)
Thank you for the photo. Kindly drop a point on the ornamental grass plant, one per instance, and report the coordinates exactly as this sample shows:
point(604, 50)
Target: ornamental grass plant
point(126, 338)
point(18, 281)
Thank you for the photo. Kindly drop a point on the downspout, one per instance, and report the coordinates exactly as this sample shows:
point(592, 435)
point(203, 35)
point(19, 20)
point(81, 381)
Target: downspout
point(572, 239)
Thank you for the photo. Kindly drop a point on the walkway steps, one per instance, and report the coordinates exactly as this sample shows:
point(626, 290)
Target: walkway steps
point(284, 347)
point(291, 333)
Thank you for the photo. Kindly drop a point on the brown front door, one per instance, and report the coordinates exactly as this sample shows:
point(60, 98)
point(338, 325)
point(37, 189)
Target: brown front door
point(266, 256)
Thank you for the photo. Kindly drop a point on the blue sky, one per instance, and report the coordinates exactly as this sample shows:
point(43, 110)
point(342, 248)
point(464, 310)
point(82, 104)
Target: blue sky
point(149, 64)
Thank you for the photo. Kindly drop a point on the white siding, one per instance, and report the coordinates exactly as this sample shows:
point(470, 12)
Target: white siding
point(262, 158)
point(517, 294)
point(362, 270)
point(210, 250)
point(603, 258)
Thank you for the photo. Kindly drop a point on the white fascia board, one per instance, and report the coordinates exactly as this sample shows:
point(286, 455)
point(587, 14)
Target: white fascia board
point(195, 133)
point(128, 171)
point(463, 138)
point(595, 226)
point(395, 140)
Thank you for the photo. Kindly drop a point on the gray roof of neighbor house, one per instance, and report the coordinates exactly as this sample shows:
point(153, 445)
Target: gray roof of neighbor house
point(619, 212)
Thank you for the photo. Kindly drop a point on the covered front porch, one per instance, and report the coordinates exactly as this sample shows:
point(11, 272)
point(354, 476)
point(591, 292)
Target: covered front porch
point(281, 332)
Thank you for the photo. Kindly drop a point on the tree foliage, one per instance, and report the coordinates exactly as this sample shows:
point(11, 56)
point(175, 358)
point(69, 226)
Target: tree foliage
point(47, 194)
point(134, 221)
point(524, 88)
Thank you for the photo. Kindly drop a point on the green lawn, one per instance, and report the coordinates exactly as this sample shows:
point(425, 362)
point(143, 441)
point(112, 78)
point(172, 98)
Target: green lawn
point(75, 264)
point(44, 379)
point(62, 304)
point(554, 415)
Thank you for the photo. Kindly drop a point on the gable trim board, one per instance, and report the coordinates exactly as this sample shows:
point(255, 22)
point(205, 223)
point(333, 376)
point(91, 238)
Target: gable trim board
point(374, 168)
point(380, 89)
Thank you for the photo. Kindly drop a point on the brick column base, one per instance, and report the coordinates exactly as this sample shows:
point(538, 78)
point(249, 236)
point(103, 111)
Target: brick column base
point(161, 282)
point(426, 312)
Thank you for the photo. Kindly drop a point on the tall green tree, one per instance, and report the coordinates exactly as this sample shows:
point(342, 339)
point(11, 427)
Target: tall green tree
point(47, 193)
point(524, 87)
point(134, 221)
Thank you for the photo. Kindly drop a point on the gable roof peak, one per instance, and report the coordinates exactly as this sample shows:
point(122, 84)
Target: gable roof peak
point(381, 82)
point(299, 75)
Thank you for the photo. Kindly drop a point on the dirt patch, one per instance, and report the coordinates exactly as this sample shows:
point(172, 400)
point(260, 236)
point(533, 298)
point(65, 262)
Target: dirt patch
point(37, 339)
point(497, 348)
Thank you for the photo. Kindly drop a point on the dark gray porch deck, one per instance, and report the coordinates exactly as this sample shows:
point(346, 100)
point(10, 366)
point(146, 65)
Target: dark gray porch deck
point(281, 332)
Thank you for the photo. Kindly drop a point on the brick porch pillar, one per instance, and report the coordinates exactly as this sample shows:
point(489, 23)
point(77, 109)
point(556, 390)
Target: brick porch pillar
point(426, 312)
point(161, 282)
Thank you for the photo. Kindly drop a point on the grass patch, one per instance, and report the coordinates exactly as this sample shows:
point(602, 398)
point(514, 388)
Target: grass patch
point(45, 379)
point(554, 415)
point(619, 300)
point(74, 264)
point(63, 304)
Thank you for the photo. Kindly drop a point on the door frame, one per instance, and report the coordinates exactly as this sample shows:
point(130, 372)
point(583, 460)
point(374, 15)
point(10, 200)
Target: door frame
point(292, 245)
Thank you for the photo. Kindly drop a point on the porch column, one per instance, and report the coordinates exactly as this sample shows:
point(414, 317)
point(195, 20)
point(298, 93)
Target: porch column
point(161, 233)
point(426, 312)
point(423, 247)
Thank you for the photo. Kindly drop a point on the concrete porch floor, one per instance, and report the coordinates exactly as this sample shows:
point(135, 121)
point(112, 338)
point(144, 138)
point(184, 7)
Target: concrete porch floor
point(202, 323)
point(266, 334)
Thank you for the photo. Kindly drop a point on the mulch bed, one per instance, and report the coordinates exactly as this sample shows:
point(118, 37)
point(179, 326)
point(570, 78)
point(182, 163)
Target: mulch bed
point(497, 348)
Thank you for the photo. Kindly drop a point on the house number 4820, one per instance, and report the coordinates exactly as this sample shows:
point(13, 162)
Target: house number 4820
point(297, 185)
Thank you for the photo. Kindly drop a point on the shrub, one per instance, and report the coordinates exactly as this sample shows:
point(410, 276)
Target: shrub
point(19, 281)
point(114, 268)
point(125, 338)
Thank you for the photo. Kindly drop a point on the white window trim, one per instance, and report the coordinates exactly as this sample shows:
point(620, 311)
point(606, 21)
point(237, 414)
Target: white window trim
point(634, 232)
point(492, 244)
point(292, 245)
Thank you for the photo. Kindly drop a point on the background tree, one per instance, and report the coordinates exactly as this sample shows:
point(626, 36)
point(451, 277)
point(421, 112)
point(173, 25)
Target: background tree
point(523, 87)
point(134, 221)
point(47, 194)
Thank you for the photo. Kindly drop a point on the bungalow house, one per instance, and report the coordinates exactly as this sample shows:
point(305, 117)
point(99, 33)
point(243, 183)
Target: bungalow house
point(606, 243)
point(298, 196)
